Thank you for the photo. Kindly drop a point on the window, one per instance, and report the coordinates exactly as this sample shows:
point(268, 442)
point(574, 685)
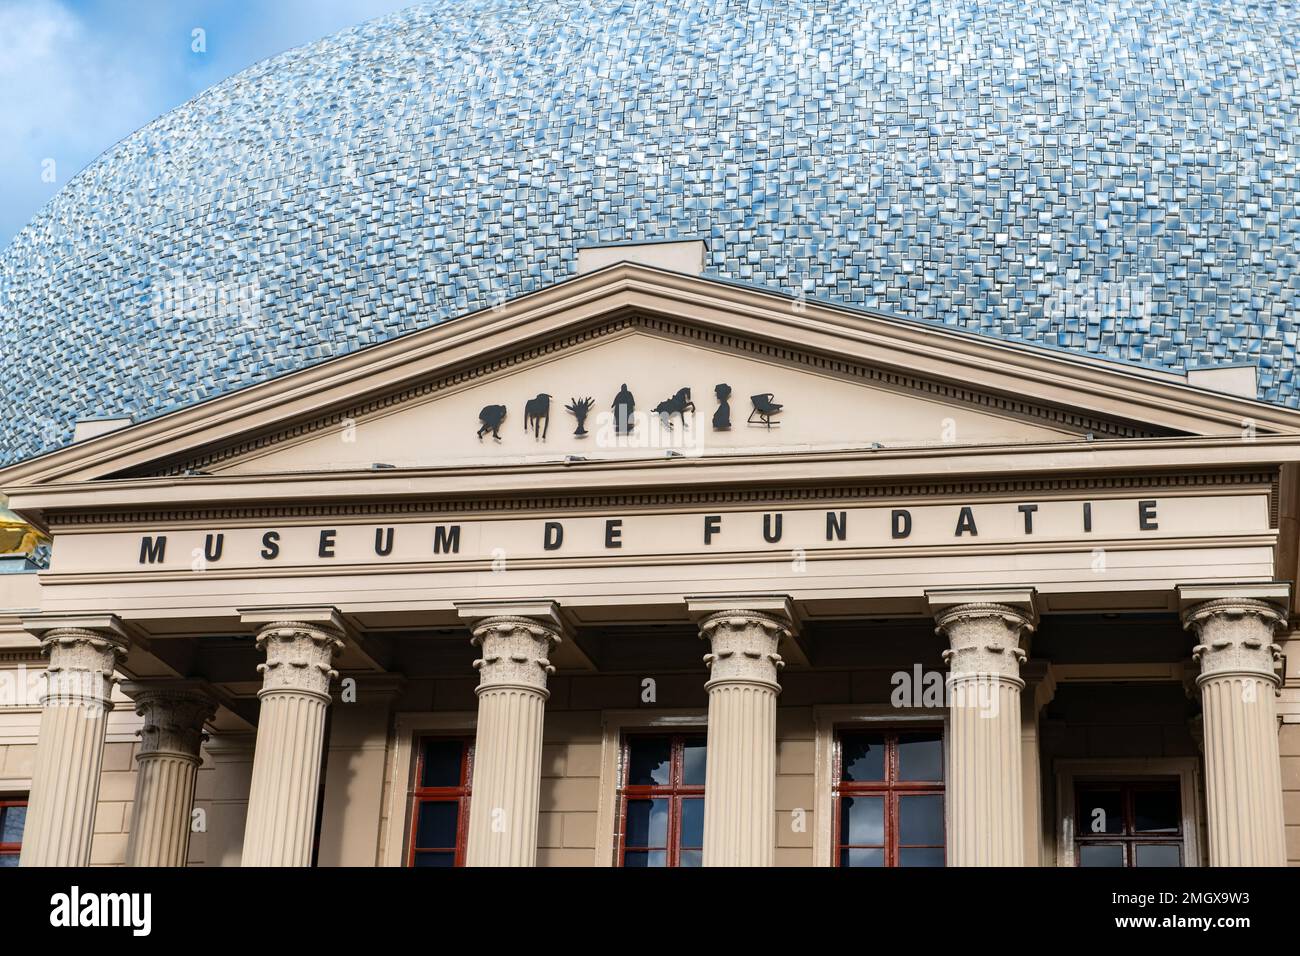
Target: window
point(13, 815)
point(1122, 823)
point(440, 807)
point(888, 798)
point(661, 800)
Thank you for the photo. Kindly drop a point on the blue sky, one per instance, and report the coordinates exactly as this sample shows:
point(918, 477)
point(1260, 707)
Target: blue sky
point(76, 76)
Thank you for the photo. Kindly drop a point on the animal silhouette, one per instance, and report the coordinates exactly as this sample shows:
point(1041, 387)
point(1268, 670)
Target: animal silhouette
point(678, 405)
point(491, 417)
point(537, 413)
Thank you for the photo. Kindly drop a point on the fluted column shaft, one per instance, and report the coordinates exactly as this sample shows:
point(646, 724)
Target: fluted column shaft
point(512, 694)
point(70, 749)
point(1238, 682)
point(287, 760)
point(985, 802)
point(740, 767)
point(166, 765)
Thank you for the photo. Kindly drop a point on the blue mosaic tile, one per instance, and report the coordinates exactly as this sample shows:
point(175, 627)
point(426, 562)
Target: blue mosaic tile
point(1114, 178)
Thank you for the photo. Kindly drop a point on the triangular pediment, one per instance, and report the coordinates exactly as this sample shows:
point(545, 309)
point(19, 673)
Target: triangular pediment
point(646, 388)
point(843, 380)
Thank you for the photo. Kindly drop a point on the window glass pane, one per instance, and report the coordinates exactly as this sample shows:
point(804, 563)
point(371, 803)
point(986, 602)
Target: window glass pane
point(642, 858)
point(1157, 854)
point(1094, 854)
point(11, 824)
point(920, 757)
point(437, 825)
point(647, 823)
point(862, 758)
point(693, 754)
point(435, 859)
point(441, 763)
point(862, 820)
point(8, 859)
point(649, 761)
point(691, 858)
point(1100, 811)
point(920, 856)
point(692, 823)
point(1156, 811)
point(874, 857)
point(920, 819)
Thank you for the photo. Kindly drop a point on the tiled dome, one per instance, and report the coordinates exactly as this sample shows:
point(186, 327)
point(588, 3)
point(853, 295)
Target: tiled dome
point(1119, 179)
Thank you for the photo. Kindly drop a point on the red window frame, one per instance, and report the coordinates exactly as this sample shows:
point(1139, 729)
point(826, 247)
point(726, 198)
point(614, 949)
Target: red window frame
point(890, 789)
point(675, 791)
point(459, 794)
point(11, 849)
point(1130, 837)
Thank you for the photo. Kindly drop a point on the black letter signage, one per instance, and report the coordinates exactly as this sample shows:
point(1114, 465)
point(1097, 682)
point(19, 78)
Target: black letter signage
point(153, 550)
point(271, 545)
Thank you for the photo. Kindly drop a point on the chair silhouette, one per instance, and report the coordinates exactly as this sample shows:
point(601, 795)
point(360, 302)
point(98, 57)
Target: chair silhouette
point(764, 408)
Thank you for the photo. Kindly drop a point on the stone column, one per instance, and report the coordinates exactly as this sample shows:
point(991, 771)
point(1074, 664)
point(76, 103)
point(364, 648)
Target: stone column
point(740, 768)
point(512, 694)
point(1238, 683)
point(165, 768)
point(70, 749)
point(986, 809)
point(290, 738)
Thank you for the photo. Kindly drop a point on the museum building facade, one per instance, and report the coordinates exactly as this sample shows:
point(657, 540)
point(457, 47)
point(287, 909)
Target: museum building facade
point(649, 569)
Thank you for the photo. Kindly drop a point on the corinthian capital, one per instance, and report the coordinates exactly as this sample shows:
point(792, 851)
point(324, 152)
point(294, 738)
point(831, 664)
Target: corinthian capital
point(984, 639)
point(83, 653)
point(298, 657)
point(174, 713)
point(1235, 636)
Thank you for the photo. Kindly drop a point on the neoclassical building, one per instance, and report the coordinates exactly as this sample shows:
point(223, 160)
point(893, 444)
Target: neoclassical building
point(684, 434)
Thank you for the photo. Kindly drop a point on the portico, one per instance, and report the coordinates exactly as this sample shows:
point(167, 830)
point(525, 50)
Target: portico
point(676, 644)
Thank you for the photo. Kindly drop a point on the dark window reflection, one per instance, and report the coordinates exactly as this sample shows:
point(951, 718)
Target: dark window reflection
point(862, 820)
point(1157, 854)
point(693, 760)
point(650, 761)
point(862, 758)
point(647, 823)
point(441, 763)
point(863, 857)
point(12, 820)
point(1101, 854)
point(920, 757)
point(1101, 811)
point(437, 825)
point(1156, 811)
point(920, 819)
point(920, 856)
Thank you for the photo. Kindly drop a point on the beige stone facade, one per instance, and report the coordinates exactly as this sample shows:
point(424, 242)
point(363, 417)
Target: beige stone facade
point(954, 601)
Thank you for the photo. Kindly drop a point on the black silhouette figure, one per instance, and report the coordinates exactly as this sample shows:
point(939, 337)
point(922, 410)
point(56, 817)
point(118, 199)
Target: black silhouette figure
point(491, 417)
point(722, 417)
point(580, 407)
point(624, 405)
point(537, 413)
point(764, 408)
point(678, 405)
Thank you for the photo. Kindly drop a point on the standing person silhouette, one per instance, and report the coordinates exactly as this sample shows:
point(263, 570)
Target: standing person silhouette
point(624, 405)
point(722, 417)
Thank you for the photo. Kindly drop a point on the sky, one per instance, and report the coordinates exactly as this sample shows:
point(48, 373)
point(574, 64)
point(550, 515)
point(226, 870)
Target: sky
point(77, 76)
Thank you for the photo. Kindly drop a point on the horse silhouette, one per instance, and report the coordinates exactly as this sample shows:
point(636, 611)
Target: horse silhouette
point(678, 405)
point(537, 412)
